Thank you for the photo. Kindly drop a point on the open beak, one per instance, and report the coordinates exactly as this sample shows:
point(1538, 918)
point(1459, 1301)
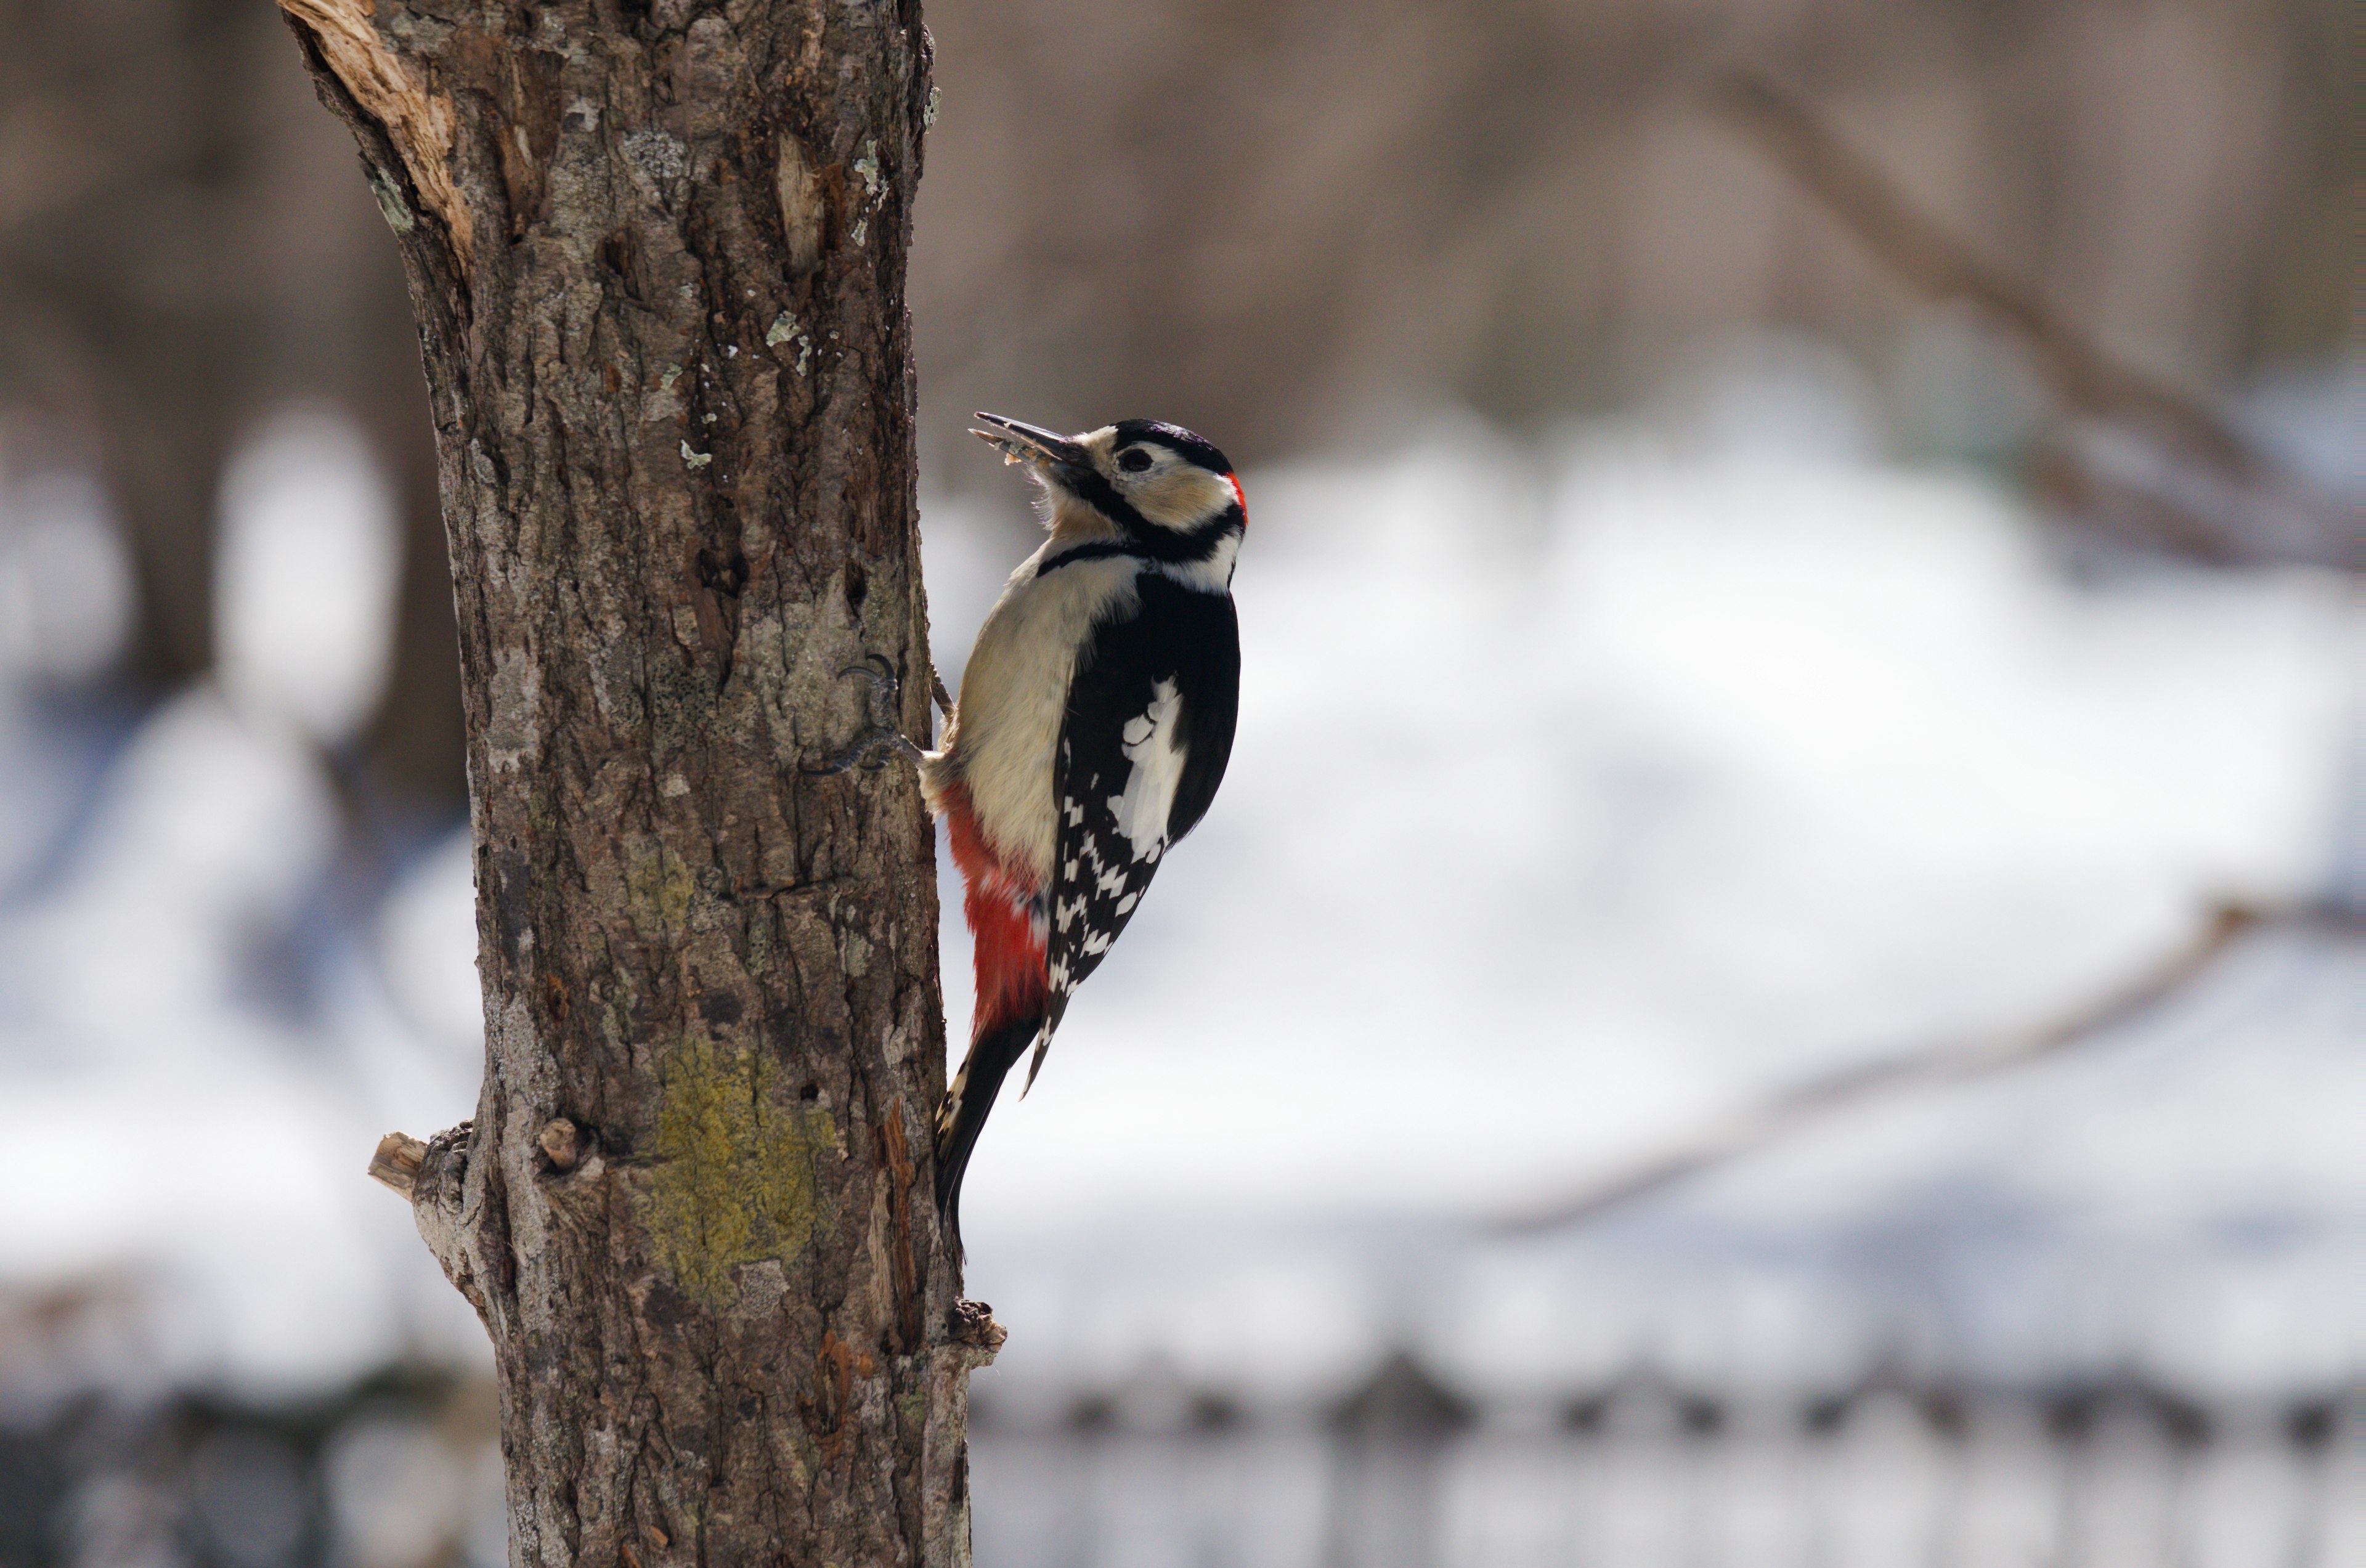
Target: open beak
point(1053, 455)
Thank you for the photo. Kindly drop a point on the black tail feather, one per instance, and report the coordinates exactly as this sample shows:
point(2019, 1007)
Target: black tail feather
point(968, 1103)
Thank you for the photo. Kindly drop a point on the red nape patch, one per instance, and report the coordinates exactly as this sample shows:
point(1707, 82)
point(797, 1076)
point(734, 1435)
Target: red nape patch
point(1239, 496)
point(1012, 975)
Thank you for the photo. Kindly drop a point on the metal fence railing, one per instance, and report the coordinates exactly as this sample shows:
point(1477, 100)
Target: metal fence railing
point(1407, 1474)
point(403, 1471)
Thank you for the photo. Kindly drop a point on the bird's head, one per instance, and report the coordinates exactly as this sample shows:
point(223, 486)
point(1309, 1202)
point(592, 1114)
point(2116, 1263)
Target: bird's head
point(1159, 486)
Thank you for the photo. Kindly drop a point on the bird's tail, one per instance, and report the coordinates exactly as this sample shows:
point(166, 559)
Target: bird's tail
point(1011, 995)
point(968, 1101)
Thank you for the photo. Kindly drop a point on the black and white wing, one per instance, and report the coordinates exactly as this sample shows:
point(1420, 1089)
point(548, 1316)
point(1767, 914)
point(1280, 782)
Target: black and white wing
point(1148, 731)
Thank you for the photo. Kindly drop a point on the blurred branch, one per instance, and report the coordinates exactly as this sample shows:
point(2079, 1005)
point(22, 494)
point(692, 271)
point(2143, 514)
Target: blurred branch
point(1823, 1099)
point(2252, 507)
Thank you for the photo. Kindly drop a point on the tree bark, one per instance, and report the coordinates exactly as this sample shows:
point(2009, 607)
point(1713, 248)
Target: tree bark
point(656, 252)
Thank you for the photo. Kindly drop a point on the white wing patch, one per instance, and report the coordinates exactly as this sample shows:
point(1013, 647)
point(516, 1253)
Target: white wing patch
point(1154, 748)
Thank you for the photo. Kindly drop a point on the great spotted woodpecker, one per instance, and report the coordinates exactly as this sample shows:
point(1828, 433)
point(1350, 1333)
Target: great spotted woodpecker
point(1093, 725)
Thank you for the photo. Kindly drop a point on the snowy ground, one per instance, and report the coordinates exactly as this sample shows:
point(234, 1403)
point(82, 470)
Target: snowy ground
point(1582, 799)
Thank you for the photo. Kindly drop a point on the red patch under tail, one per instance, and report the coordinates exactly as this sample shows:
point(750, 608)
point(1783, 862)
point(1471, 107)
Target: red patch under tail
point(1012, 983)
point(997, 900)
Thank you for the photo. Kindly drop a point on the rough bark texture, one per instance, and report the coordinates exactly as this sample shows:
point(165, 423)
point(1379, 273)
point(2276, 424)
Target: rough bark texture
point(657, 256)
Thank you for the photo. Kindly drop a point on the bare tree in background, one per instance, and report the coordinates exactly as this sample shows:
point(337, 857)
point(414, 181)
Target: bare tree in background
point(658, 259)
point(184, 248)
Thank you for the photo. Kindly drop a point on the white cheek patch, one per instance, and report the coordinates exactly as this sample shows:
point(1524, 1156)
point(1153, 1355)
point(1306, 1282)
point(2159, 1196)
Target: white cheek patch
point(1154, 745)
point(1181, 499)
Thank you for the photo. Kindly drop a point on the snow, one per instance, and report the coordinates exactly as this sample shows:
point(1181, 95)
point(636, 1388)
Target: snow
point(1585, 794)
point(305, 576)
point(65, 580)
point(165, 1114)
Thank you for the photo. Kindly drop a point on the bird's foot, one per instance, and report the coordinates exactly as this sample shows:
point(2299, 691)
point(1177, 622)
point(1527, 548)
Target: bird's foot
point(885, 739)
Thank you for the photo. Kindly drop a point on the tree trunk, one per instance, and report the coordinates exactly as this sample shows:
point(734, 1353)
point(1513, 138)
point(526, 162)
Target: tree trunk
point(656, 252)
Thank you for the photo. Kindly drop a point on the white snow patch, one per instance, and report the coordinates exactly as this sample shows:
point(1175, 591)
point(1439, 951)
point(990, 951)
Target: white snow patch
point(304, 580)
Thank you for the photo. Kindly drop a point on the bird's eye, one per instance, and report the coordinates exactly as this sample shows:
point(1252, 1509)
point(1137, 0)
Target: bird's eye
point(1134, 459)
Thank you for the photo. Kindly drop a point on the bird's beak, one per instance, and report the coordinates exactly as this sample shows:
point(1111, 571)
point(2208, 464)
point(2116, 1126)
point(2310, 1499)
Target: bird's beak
point(1053, 456)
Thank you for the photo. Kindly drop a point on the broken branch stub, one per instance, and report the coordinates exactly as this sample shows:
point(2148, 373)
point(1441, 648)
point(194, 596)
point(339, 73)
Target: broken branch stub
point(418, 122)
point(395, 1163)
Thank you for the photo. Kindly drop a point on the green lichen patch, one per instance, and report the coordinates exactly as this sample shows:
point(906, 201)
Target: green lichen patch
point(658, 883)
point(734, 1169)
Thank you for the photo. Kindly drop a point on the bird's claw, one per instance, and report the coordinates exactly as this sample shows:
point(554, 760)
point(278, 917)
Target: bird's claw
point(885, 739)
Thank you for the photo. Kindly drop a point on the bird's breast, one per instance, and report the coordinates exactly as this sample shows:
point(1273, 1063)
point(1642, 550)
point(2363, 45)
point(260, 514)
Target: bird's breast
point(1014, 698)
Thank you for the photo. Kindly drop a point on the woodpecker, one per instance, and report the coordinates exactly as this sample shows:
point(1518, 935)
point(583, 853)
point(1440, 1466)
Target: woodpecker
point(1093, 725)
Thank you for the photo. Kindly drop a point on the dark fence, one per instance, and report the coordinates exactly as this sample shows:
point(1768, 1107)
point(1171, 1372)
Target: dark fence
point(1407, 1474)
point(402, 1472)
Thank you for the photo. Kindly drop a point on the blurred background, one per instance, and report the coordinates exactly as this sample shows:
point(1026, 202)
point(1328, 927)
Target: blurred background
point(1771, 982)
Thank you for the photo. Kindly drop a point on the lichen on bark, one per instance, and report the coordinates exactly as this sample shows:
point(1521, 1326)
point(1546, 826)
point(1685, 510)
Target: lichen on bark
point(734, 1181)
